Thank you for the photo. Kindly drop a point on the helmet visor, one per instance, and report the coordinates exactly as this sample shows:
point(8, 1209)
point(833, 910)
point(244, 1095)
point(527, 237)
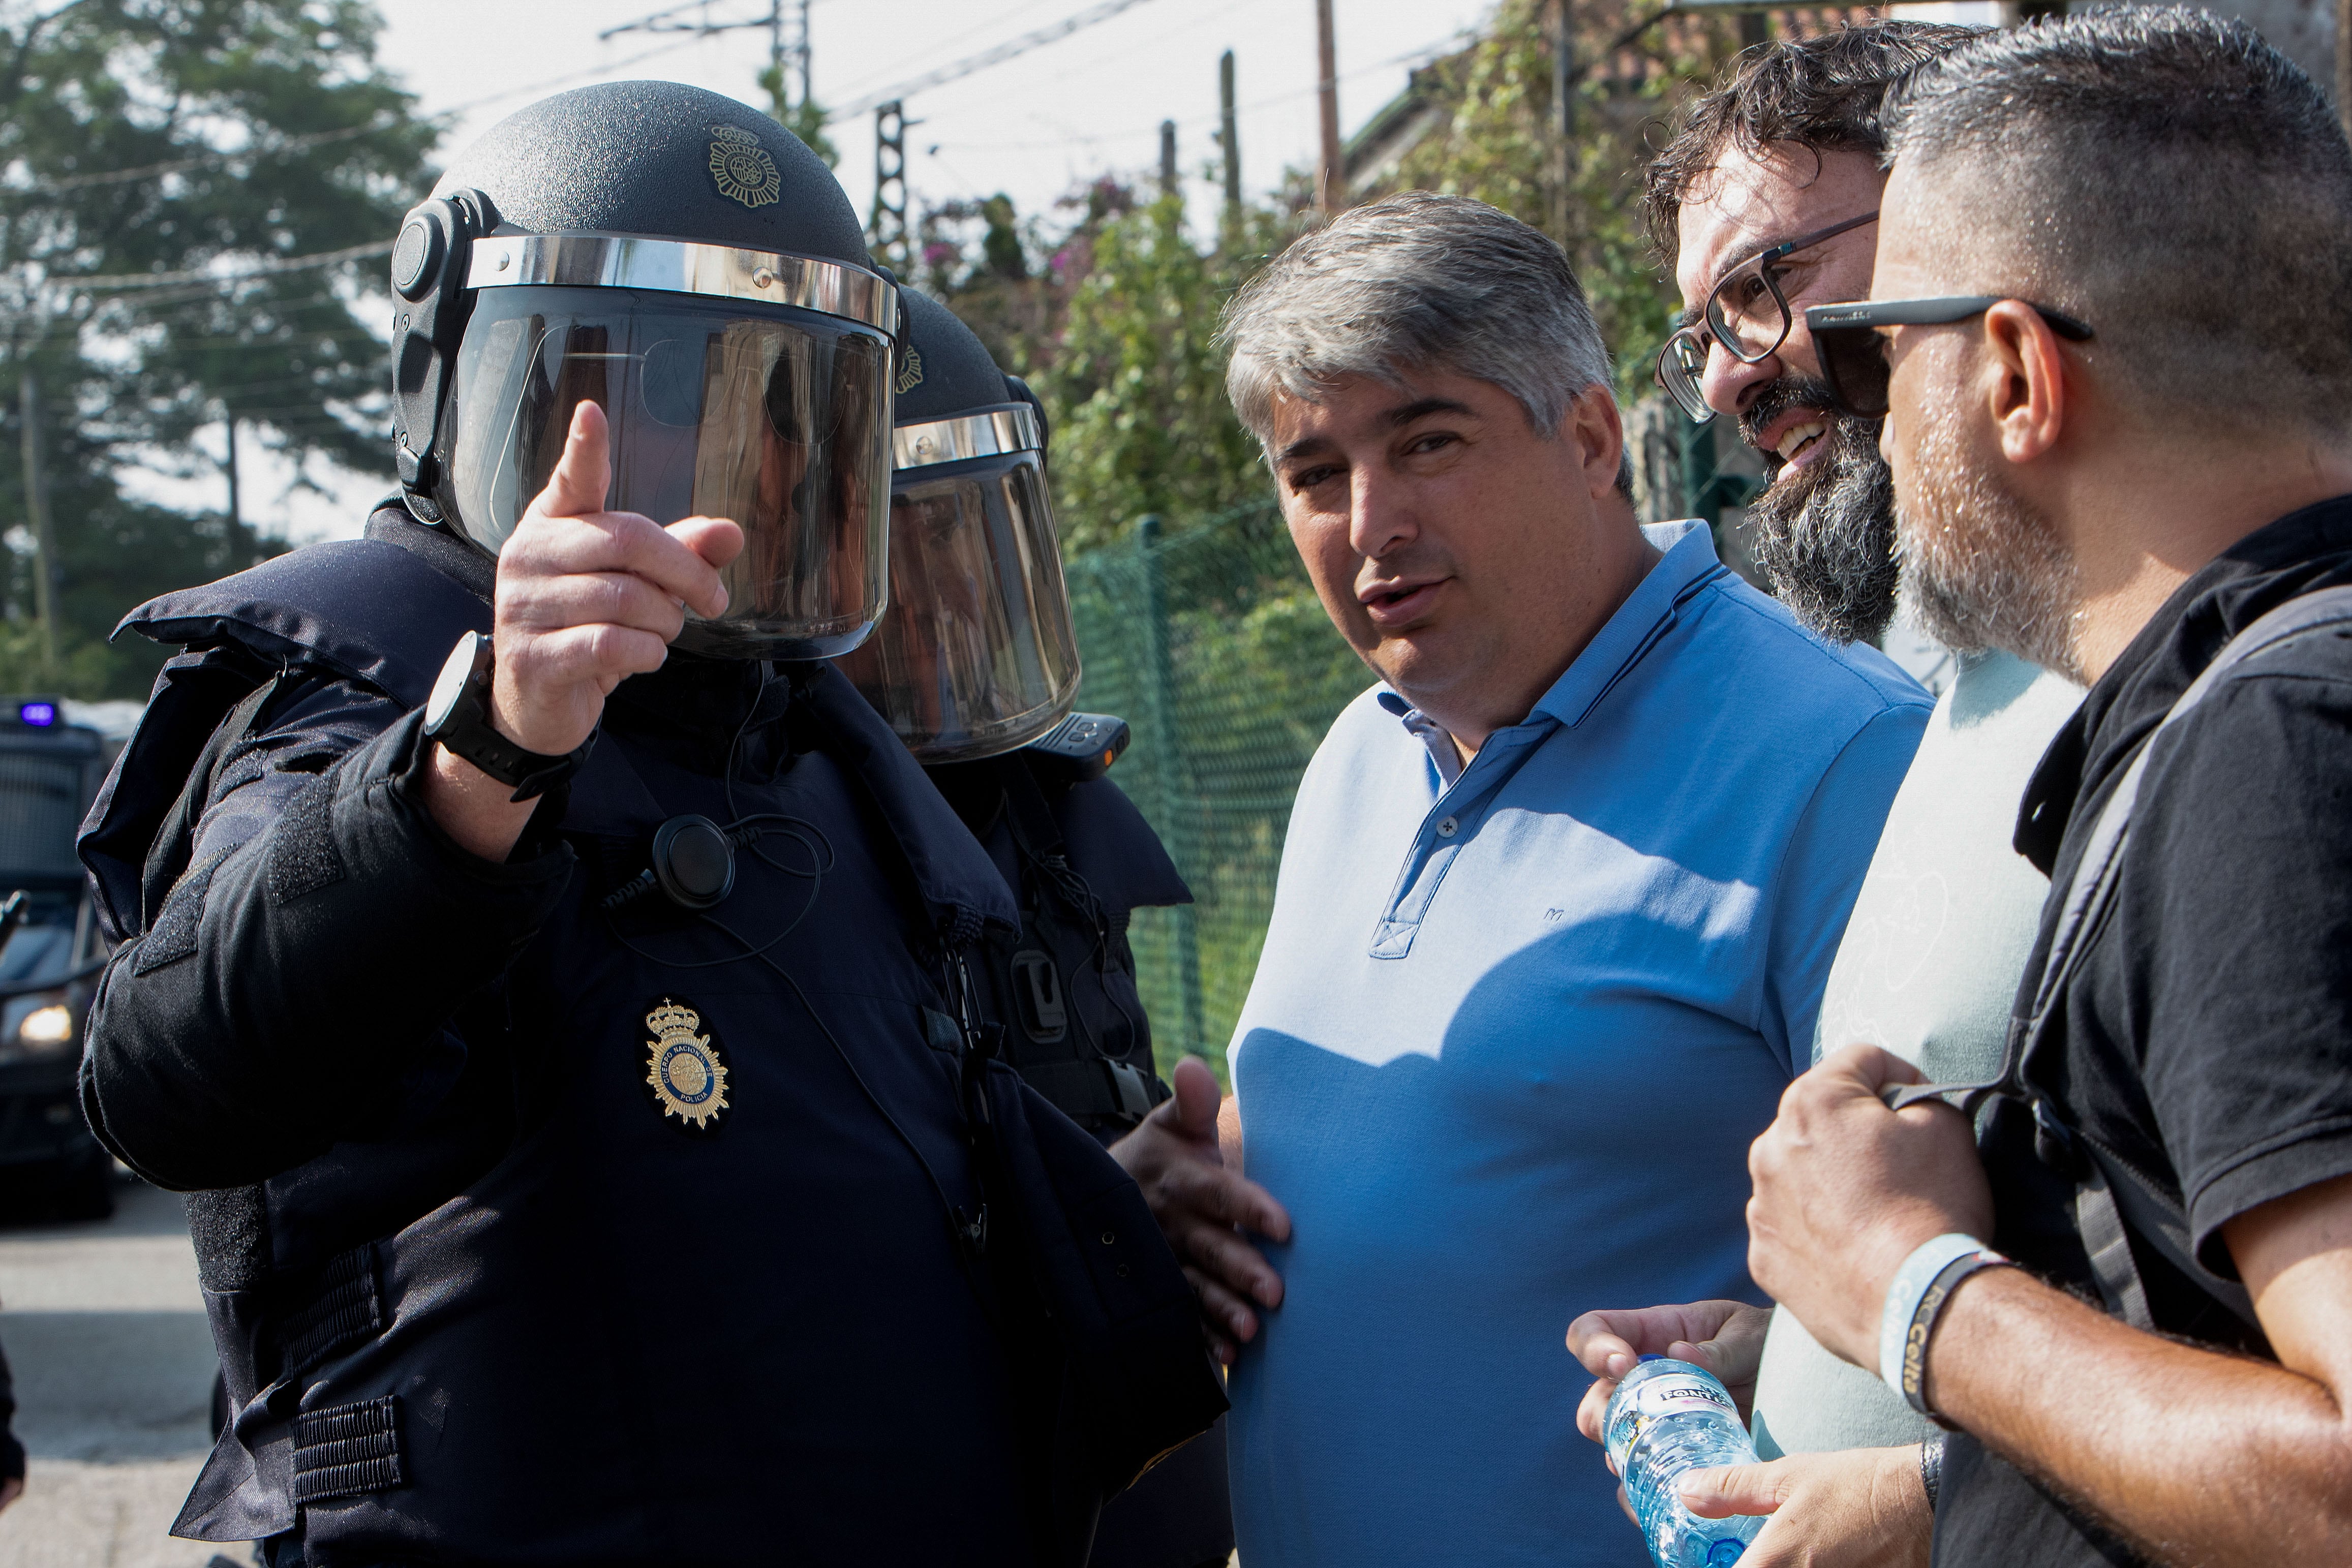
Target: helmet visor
point(777, 421)
point(975, 655)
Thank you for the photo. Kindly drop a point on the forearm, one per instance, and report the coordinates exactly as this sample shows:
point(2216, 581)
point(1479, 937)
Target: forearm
point(285, 984)
point(2201, 1457)
point(479, 814)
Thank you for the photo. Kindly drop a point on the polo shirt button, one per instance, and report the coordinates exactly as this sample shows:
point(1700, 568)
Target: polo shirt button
point(1447, 827)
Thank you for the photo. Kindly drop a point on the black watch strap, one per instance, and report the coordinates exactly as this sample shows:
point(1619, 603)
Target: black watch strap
point(457, 715)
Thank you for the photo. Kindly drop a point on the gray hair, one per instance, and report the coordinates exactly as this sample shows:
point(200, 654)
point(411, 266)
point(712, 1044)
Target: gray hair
point(1417, 282)
point(2169, 177)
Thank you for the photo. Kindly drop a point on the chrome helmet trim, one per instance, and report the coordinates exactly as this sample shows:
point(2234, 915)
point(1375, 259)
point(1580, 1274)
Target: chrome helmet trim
point(990, 434)
point(681, 266)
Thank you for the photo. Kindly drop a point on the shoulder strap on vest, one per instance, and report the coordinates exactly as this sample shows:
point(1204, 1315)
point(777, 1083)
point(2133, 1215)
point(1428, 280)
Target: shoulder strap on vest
point(1107, 842)
point(366, 609)
point(370, 611)
point(2113, 1200)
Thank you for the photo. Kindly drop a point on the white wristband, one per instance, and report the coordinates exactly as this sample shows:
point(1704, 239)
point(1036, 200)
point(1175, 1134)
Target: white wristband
point(1910, 1284)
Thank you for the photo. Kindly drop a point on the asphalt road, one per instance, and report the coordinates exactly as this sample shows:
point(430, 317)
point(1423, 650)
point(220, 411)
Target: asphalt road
point(105, 1332)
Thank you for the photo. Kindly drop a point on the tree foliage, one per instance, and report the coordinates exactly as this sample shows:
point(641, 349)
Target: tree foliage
point(172, 172)
point(1114, 322)
point(1497, 138)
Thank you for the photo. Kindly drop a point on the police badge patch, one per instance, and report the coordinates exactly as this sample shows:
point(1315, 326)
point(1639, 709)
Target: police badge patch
point(742, 168)
point(684, 1071)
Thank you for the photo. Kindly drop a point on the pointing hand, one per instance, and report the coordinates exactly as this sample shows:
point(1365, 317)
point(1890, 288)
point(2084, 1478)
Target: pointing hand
point(587, 598)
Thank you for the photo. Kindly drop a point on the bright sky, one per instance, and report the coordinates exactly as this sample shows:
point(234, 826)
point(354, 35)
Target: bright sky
point(1034, 126)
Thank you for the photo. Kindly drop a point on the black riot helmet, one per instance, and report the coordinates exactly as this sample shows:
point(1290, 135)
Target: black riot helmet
point(684, 262)
point(975, 654)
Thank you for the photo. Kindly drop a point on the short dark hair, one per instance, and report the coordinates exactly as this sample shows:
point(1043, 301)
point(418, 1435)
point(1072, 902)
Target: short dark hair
point(1825, 93)
point(2169, 178)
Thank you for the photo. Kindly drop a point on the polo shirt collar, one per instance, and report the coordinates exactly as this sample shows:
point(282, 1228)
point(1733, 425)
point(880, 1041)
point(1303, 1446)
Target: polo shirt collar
point(1687, 563)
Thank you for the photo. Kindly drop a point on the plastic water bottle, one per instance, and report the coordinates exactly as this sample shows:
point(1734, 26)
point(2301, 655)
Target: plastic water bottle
point(1666, 1418)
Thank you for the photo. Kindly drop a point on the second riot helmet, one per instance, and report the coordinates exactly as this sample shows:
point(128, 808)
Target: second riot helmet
point(975, 654)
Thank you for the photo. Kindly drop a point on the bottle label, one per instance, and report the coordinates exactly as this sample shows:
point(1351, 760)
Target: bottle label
point(1669, 1394)
point(1677, 1392)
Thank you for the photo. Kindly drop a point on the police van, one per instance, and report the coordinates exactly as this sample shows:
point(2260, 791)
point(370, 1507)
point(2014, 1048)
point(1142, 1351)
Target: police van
point(51, 768)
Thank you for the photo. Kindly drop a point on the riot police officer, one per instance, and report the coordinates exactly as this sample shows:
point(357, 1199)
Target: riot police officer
point(976, 667)
point(591, 1156)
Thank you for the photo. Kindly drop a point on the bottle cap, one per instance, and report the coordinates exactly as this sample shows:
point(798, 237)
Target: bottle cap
point(1653, 1358)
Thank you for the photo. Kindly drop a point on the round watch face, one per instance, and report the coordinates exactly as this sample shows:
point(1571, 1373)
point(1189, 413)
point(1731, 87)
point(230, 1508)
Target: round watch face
point(451, 685)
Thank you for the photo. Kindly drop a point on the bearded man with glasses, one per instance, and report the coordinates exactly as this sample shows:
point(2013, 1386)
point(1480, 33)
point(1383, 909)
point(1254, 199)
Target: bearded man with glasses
point(1766, 202)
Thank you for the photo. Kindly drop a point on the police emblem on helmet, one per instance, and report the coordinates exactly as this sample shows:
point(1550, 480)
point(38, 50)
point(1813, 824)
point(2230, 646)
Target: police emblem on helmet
point(684, 1071)
point(912, 376)
point(742, 168)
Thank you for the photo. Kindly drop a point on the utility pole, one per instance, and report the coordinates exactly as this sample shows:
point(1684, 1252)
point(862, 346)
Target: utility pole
point(36, 503)
point(1229, 136)
point(1563, 98)
point(1331, 184)
point(776, 52)
point(2344, 63)
point(1167, 158)
point(807, 53)
point(888, 224)
point(236, 505)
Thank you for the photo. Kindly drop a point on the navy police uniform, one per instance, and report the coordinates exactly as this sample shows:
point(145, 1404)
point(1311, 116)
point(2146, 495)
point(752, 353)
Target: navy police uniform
point(593, 1205)
point(493, 1277)
point(1061, 991)
point(975, 665)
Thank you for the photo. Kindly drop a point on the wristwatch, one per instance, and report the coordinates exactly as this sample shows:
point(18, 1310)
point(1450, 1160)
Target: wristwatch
point(458, 715)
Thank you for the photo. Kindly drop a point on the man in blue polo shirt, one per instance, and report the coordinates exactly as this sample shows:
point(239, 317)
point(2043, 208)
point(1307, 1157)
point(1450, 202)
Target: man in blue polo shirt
point(1556, 911)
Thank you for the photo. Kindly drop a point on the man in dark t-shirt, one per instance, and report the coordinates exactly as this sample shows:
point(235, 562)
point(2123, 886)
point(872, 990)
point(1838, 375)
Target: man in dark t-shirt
point(2111, 332)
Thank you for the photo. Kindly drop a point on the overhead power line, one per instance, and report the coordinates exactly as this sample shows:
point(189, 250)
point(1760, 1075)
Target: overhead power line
point(987, 57)
point(129, 280)
point(321, 137)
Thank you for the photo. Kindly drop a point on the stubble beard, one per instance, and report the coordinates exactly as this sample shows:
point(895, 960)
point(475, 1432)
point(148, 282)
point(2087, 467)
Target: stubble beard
point(1823, 536)
point(1981, 568)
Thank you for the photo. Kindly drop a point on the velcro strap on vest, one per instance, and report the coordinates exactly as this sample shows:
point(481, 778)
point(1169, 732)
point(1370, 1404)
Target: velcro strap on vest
point(347, 1450)
point(341, 1310)
point(1110, 1089)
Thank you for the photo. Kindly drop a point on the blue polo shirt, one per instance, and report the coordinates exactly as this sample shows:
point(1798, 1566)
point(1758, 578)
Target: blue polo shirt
point(1512, 1032)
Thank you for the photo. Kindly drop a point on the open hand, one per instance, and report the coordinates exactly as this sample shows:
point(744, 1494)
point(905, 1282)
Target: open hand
point(1204, 1207)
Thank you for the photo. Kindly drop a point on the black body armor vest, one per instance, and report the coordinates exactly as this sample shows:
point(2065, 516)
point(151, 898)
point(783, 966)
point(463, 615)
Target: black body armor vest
point(533, 1312)
point(1062, 989)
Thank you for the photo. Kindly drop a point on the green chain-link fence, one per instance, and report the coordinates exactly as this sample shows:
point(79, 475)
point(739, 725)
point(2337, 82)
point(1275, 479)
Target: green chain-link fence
point(1208, 640)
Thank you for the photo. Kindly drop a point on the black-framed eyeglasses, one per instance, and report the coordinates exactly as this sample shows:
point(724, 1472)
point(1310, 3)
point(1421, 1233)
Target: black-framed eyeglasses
point(1746, 313)
point(1847, 341)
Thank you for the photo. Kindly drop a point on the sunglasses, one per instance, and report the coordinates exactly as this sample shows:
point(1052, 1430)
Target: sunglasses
point(1747, 314)
point(1847, 341)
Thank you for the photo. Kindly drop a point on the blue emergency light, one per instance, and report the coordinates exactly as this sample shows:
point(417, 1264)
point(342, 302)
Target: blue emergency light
point(39, 715)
